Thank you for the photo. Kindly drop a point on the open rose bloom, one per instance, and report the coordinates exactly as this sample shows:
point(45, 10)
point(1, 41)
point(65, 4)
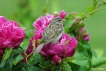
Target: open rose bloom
point(10, 34)
point(64, 47)
point(69, 52)
point(56, 41)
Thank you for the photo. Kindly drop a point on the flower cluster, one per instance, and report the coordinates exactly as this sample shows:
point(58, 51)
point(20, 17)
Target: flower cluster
point(70, 52)
point(82, 32)
point(65, 52)
point(10, 34)
point(65, 46)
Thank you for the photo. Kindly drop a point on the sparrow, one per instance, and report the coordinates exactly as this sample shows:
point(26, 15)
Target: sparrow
point(52, 33)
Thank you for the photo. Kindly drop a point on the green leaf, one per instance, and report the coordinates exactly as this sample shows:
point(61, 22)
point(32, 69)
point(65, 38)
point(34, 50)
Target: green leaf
point(7, 53)
point(80, 62)
point(70, 59)
point(24, 69)
point(72, 28)
point(81, 25)
point(33, 68)
point(69, 30)
point(45, 64)
point(65, 67)
point(85, 45)
point(90, 9)
point(69, 17)
point(17, 59)
point(94, 53)
point(80, 15)
point(17, 51)
point(55, 68)
point(84, 68)
point(77, 61)
point(19, 66)
point(66, 30)
point(1, 69)
point(2, 64)
point(79, 58)
point(34, 59)
point(80, 45)
point(10, 61)
point(84, 49)
point(29, 33)
point(24, 45)
point(86, 53)
point(7, 67)
point(68, 23)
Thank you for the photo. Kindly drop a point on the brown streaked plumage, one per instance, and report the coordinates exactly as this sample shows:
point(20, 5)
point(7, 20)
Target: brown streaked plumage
point(52, 33)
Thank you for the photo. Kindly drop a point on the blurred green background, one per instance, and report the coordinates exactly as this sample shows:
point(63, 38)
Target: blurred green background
point(26, 11)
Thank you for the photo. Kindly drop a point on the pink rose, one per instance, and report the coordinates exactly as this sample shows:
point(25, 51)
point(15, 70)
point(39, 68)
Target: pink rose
point(83, 33)
point(62, 14)
point(56, 59)
point(43, 22)
point(40, 24)
point(86, 37)
point(36, 37)
point(2, 20)
point(10, 34)
point(64, 47)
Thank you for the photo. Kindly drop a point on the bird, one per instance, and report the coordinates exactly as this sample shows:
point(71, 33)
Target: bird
point(52, 33)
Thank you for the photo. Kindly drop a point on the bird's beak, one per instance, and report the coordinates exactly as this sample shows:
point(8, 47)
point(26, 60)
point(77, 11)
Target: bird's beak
point(63, 20)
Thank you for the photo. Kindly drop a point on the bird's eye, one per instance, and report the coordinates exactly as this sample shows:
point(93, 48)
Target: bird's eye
point(59, 20)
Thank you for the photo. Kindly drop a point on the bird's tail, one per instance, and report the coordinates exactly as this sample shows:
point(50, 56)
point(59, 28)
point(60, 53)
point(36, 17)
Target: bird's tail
point(38, 49)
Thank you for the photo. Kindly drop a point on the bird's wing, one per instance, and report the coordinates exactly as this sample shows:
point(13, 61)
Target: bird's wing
point(58, 37)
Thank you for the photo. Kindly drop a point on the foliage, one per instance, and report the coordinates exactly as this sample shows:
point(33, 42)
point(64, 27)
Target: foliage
point(74, 25)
